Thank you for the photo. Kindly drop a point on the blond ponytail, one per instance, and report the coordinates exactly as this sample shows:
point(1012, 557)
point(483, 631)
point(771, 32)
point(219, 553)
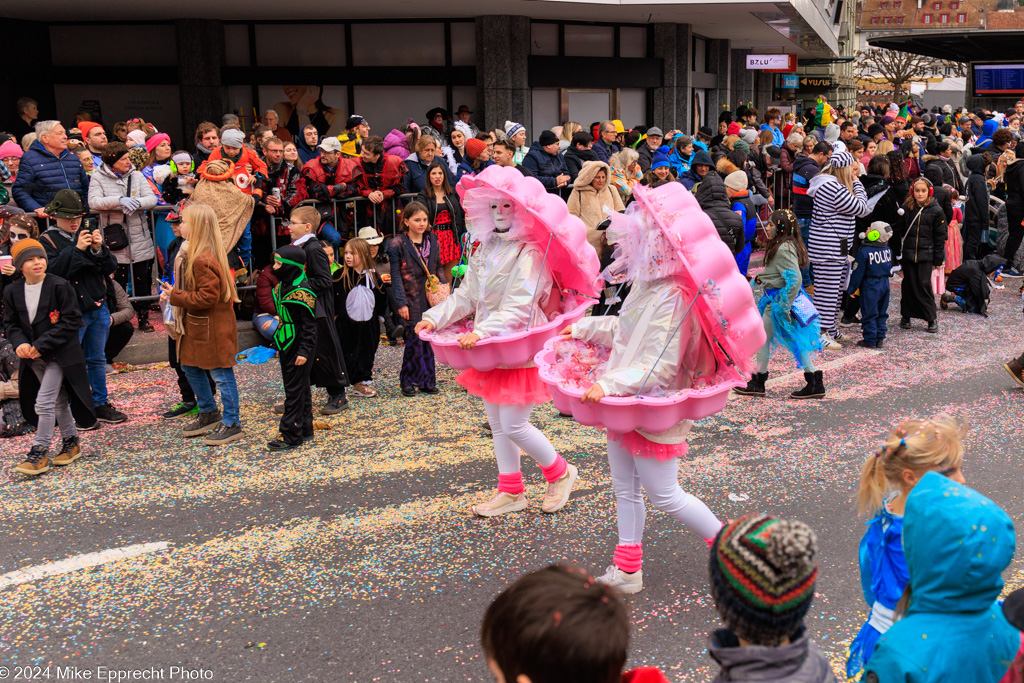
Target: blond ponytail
point(916, 445)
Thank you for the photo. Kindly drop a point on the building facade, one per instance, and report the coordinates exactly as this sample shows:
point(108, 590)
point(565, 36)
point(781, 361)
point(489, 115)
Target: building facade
point(538, 63)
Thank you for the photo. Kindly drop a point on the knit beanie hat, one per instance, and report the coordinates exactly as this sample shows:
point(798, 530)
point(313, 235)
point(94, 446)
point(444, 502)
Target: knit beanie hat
point(762, 577)
point(86, 126)
point(840, 159)
point(547, 138)
point(353, 121)
point(475, 148)
point(886, 120)
point(511, 128)
point(156, 140)
point(734, 128)
point(831, 132)
point(659, 159)
point(737, 180)
point(23, 250)
point(233, 137)
point(875, 129)
point(136, 138)
point(749, 136)
point(742, 146)
point(10, 149)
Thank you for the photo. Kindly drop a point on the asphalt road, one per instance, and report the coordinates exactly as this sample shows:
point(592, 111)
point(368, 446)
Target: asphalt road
point(356, 558)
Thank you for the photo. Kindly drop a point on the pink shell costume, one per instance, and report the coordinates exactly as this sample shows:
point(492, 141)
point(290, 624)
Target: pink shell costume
point(510, 284)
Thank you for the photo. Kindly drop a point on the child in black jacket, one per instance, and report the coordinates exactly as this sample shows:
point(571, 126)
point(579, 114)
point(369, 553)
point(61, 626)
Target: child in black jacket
point(295, 339)
point(872, 269)
point(975, 206)
point(42, 320)
point(923, 249)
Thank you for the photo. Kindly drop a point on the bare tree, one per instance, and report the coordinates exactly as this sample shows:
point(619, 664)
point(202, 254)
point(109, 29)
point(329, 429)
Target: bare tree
point(958, 69)
point(898, 68)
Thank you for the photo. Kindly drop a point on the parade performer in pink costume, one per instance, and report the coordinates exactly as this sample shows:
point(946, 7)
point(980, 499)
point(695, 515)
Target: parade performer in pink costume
point(510, 284)
point(658, 346)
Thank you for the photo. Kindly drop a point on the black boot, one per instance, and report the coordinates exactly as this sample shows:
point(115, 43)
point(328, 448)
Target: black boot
point(755, 387)
point(815, 387)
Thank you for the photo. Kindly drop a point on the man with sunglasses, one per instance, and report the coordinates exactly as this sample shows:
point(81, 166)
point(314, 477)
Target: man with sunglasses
point(79, 256)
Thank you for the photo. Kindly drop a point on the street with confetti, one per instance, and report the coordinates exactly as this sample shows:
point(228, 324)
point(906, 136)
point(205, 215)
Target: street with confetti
point(356, 557)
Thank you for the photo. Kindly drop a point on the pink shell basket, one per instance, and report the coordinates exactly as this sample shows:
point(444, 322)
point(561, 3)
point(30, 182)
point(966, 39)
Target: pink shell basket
point(510, 351)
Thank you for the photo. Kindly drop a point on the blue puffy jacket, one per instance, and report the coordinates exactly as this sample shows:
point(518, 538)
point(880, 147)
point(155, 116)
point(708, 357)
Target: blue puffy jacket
point(545, 167)
point(957, 543)
point(41, 175)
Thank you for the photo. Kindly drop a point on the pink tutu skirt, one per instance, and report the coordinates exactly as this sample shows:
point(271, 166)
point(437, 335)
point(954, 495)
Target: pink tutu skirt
point(506, 386)
point(639, 446)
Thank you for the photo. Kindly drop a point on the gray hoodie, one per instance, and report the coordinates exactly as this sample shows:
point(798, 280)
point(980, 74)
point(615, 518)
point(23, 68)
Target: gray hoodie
point(799, 662)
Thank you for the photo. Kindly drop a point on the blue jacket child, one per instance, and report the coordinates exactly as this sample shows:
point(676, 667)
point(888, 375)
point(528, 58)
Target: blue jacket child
point(871, 271)
point(739, 198)
point(957, 543)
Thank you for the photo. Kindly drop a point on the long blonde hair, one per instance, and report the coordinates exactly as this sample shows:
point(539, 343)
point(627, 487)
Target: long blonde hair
point(204, 236)
point(916, 445)
point(844, 175)
point(568, 129)
point(884, 147)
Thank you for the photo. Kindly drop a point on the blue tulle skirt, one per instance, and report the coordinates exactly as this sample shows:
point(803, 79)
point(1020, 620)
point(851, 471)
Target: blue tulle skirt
point(799, 340)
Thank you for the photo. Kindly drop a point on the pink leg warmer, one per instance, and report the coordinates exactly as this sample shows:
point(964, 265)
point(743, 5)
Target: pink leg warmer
point(629, 558)
point(511, 483)
point(555, 470)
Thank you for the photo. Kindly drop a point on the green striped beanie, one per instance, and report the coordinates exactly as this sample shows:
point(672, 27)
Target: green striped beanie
point(762, 577)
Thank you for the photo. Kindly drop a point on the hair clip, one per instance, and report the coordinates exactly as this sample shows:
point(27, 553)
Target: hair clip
point(903, 442)
point(880, 452)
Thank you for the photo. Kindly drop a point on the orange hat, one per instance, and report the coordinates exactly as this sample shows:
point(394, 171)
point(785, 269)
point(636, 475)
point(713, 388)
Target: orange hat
point(86, 126)
point(475, 148)
point(23, 250)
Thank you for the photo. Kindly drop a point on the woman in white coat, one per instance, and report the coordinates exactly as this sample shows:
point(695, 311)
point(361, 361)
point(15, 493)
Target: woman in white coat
point(121, 195)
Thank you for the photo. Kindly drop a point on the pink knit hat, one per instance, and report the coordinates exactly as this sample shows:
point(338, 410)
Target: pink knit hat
point(10, 149)
point(136, 138)
point(156, 140)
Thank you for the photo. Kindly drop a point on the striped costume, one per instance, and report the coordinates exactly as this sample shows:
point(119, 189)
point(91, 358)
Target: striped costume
point(831, 236)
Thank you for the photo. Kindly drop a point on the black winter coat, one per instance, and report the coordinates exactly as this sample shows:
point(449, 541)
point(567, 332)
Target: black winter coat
point(54, 333)
point(87, 271)
point(1014, 179)
point(711, 196)
point(924, 239)
point(976, 204)
point(574, 159)
point(942, 196)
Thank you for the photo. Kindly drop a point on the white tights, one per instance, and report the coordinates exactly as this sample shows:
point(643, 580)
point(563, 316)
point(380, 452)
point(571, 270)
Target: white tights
point(658, 478)
point(512, 431)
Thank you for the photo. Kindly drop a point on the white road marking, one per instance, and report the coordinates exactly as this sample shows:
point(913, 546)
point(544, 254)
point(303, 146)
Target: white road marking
point(830, 365)
point(73, 564)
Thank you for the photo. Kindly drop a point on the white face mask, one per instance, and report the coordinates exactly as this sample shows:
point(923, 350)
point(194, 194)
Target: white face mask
point(501, 214)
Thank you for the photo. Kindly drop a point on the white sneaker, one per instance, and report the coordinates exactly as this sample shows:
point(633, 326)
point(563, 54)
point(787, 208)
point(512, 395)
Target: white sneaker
point(829, 344)
point(558, 491)
point(841, 336)
point(623, 582)
point(501, 504)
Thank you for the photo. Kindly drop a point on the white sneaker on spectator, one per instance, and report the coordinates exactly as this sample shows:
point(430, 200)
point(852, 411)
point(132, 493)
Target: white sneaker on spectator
point(840, 336)
point(829, 344)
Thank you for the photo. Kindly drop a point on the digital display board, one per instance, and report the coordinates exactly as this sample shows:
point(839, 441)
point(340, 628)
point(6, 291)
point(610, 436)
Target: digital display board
point(998, 79)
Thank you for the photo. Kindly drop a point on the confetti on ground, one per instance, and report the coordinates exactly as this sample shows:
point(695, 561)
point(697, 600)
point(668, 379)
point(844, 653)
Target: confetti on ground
point(355, 557)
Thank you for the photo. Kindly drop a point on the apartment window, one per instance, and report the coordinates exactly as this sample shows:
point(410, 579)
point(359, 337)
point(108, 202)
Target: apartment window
point(887, 20)
point(954, 5)
point(897, 4)
point(874, 20)
point(927, 18)
point(885, 5)
point(899, 20)
point(944, 19)
point(961, 18)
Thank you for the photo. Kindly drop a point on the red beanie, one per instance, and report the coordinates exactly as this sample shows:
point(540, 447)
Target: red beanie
point(734, 128)
point(475, 148)
point(787, 130)
point(86, 126)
